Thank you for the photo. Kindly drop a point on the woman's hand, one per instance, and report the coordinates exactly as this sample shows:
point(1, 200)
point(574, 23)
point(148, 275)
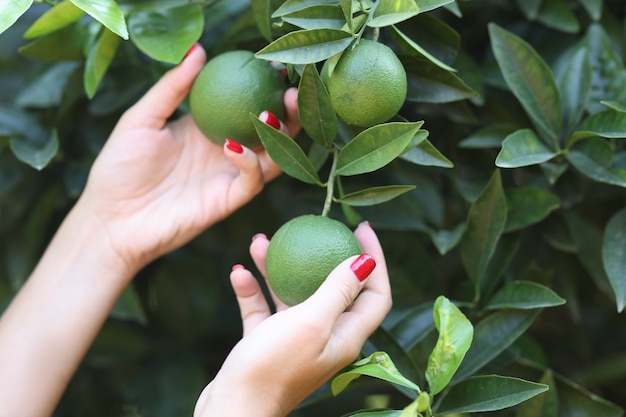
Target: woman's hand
point(156, 185)
point(285, 356)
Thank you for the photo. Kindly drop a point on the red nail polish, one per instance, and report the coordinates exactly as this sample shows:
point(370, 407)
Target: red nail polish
point(234, 146)
point(363, 266)
point(238, 266)
point(259, 235)
point(193, 48)
point(270, 119)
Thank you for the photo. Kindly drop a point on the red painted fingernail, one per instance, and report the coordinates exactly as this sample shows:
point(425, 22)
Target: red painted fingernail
point(238, 266)
point(193, 48)
point(259, 235)
point(363, 266)
point(270, 119)
point(234, 146)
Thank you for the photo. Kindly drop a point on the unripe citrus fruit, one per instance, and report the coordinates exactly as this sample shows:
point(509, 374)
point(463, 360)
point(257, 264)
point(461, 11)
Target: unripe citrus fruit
point(368, 85)
point(230, 87)
point(303, 252)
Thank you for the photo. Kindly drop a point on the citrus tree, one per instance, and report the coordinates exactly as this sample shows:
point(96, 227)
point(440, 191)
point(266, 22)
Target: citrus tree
point(496, 186)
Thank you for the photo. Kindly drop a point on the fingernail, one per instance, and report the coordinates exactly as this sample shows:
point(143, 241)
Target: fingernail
point(365, 223)
point(270, 119)
point(193, 48)
point(234, 146)
point(363, 266)
point(238, 266)
point(259, 235)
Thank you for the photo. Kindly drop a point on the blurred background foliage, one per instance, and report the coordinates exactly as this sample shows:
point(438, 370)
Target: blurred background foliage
point(63, 88)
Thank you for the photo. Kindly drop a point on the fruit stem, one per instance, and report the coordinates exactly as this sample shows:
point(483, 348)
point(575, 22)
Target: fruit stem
point(330, 184)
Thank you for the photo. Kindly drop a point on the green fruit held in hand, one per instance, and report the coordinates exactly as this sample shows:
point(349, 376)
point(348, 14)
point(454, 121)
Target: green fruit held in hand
point(368, 85)
point(230, 87)
point(303, 252)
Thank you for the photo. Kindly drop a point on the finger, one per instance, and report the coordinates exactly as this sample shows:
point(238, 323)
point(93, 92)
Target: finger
point(268, 166)
point(250, 180)
point(258, 250)
point(160, 102)
point(374, 302)
point(292, 120)
point(340, 289)
point(252, 304)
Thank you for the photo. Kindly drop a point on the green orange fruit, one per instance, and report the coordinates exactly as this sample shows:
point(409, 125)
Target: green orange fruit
point(230, 87)
point(303, 252)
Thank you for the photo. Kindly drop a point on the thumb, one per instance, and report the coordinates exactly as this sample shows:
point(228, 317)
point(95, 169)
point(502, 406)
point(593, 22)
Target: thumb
point(160, 102)
point(341, 287)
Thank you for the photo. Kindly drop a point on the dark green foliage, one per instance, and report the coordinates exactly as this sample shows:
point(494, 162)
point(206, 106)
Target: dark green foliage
point(509, 199)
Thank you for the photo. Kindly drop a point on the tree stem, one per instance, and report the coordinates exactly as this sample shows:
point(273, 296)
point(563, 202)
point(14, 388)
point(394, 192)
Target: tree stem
point(330, 184)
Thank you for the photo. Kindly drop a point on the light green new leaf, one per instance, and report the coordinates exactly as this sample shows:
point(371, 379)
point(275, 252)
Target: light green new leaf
point(34, 153)
point(425, 154)
point(306, 46)
point(261, 10)
point(286, 152)
point(389, 12)
point(575, 87)
point(455, 338)
point(614, 256)
point(492, 335)
point(374, 195)
point(106, 12)
point(59, 16)
point(530, 79)
point(11, 10)
point(317, 17)
point(523, 148)
point(607, 124)
point(415, 46)
point(378, 365)
point(166, 35)
point(487, 393)
point(291, 6)
point(528, 206)
point(316, 111)
point(592, 157)
point(524, 295)
point(485, 224)
point(375, 147)
point(98, 60)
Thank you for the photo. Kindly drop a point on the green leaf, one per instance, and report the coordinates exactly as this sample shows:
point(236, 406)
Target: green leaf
point(291, 6)
point(62, 45)
point(592, 157)
point(316, 112)
point(99, 59)
point(593, 8)
point(426, 154)
point(530, 80)
point(375, 147)
point(606, 124)
point(530, 8)
point(492, 335)
point(446, 240)
point(487, 393)
point(377, 365)
point(556, 14)
point(47, 89)
point(428, 5)
point(429, 83)
point(575, 87)
point(58, 17)
point(286, 152)
point(455, 337)
point(615, 105)
point(576, 401)
point(485, 224)
point(488, 137)
point(414, 326)
point(423, 52)
point(106, 12)
point(524, 295)
point(380, 413)
point(11, 10)
point(523, 148)
point(128, 307)
point(306, 46)
point(528, 206)
point(614, 256)
point(374, 195)
point(261, 10)
point(389, 12)
point(545, 404)
point(317, 17)
point(166, 35)
point(35, 153)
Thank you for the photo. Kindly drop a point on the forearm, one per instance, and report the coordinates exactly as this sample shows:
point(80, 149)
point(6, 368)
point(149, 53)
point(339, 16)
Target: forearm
point(49, 326)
